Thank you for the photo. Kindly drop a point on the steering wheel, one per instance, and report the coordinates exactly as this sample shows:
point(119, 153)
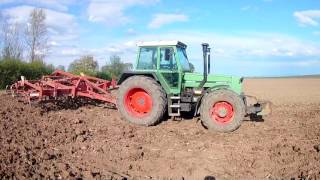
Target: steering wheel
point(165, 66)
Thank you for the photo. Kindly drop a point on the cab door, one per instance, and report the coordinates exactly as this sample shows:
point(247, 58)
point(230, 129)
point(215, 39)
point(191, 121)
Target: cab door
point(168, 69)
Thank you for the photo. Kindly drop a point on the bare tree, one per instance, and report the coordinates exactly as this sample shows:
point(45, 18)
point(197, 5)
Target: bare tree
point(3, 23)
point(37, 35)
point(11, 40)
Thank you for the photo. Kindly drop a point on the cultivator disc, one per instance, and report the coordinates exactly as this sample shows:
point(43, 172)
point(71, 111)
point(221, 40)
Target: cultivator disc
point(8, 90)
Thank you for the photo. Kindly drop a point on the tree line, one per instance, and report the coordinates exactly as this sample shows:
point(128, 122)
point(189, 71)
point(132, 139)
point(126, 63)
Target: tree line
point(88, 65)
point(24, 47)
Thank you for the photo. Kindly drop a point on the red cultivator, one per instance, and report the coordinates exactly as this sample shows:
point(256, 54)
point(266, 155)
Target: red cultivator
point(62, 84)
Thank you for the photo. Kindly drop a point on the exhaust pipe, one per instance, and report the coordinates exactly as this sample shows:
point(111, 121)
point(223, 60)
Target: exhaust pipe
point(205, 51)
point(209, 60)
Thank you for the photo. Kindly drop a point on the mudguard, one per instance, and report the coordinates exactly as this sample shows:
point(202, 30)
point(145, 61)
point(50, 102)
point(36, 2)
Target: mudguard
point(127, 74)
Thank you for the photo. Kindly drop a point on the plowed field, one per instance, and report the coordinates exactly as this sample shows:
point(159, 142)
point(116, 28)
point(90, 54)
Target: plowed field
point(91, 142)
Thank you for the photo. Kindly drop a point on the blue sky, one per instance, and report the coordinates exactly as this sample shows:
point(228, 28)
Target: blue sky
point(249, 38)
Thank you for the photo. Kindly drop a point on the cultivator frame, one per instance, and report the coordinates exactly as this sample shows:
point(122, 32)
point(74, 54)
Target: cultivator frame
point(61, 84)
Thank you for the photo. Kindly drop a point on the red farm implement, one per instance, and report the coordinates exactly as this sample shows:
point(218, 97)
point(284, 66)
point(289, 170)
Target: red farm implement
point(61, 84)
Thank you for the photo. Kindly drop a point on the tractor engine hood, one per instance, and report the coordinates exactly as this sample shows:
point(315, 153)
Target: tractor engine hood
point(232, 82)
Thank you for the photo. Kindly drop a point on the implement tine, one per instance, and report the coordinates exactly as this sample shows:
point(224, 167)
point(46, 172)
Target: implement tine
point(8, 90)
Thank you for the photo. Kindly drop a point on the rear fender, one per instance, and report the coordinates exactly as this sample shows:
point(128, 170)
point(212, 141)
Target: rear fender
point(125, 75)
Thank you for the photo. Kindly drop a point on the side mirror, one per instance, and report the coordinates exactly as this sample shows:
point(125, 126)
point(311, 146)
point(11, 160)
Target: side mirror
point(168, 54)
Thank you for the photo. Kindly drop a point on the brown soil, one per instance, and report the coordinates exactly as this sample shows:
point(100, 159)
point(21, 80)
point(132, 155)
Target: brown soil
point(95, 143)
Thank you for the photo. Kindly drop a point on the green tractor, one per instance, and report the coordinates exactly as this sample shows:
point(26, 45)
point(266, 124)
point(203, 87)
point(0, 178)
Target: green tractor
point(162, 81)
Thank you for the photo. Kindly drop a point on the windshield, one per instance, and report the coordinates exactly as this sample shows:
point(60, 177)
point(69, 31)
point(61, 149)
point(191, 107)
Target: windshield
point(183, 59)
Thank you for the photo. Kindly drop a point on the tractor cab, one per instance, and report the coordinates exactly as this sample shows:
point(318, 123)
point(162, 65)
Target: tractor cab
point(167, 60)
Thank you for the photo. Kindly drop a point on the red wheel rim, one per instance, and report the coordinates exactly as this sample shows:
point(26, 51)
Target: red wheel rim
point(222, 112)
point(138, 102)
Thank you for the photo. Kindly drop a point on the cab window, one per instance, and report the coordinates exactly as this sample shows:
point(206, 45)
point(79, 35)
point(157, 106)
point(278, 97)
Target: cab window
point(183, 59)
point(167, 60)
point(147, 58)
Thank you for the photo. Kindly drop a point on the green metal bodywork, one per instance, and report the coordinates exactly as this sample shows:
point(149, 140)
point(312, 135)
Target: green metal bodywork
point(187, 79)
point(213, 81)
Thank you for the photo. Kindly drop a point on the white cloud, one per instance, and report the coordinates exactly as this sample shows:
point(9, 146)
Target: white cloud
point(316, 33)
point(245, 8)
point(308, 63)
point(244, 54)
point(6, 1)
point(50, 4)
point(164, 19)
point(131, 31)
point(250, 47)
point(109, 13)
point(308, 17)
point(130, 44)
point(245, 44)
point(61, 25)
point(71, 52)
point(112, 12)
point(54, 43)
point(250, 8)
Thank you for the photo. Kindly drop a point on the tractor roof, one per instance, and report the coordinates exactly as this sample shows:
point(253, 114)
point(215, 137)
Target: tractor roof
point(161, 43)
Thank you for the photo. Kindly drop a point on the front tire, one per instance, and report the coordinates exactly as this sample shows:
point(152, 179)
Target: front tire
point(141, 100)
point(222, 110)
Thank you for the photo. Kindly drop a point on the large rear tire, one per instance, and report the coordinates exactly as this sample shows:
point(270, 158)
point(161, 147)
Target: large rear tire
point(141, 100)
point(222, 110)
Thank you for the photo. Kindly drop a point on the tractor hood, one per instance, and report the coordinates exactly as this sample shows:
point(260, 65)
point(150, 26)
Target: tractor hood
point(232, 82)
